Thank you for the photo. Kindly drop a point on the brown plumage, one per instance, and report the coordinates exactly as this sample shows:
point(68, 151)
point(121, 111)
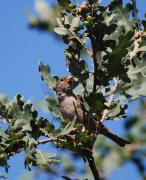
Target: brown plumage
point(72, 108)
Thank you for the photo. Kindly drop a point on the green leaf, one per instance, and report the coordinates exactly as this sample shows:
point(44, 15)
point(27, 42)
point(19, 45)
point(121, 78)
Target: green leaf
point(137, 76)
point(22, 118)
point(125, 41)
point(46, 127)
point(53, 106)
point(66, 4)
point(120, 14)
point(142, 47)
point(44, 158)
point(68, 128)
point(74, 22)
point(46, 75)
point(39, 158)
point(117, 111)
point(96, 102)
point(61, 31)
point(2, 176)
point(117, 56)
point(3, 136)
point(3, 160)
point(67, 164)
point(27, 176)
point(144, 24)
point(45, 20)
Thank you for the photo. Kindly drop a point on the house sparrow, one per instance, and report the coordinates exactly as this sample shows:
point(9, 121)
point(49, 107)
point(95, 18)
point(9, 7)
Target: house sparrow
point(72, 108)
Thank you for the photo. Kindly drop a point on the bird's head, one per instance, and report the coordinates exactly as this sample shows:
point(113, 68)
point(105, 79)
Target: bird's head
point(64, 86)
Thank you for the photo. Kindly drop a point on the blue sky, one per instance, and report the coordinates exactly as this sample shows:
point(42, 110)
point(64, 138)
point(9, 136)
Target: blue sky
point(20, 51)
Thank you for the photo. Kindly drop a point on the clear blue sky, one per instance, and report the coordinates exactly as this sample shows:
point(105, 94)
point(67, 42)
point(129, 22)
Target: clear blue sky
point(20, 51)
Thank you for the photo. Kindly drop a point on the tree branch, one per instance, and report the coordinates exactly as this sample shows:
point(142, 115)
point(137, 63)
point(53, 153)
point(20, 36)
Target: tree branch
point(94, 51)
point(92, 166)
point(88, 155)
point(43, 141)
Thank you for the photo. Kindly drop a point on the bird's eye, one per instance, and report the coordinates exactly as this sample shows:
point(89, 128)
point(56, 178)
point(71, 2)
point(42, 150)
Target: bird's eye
point(61, 80)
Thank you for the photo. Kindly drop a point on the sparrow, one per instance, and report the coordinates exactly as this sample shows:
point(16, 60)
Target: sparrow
point(72, 108)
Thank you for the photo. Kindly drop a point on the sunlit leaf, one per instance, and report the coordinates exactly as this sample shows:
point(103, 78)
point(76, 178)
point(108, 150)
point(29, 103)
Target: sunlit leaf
point(46, 76)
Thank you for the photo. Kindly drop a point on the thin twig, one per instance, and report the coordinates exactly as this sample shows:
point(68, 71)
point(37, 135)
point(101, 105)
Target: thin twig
point(90, 52)
point(106, 111)
point(43, 141)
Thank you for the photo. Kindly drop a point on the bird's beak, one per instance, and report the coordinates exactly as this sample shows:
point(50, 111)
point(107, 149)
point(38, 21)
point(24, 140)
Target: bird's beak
point(69, 79)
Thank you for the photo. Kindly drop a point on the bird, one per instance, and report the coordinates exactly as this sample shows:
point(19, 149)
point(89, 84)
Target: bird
point(71, 108)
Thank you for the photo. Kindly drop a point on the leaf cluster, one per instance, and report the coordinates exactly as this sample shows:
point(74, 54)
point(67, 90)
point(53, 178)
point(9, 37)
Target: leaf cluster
point(111, 75)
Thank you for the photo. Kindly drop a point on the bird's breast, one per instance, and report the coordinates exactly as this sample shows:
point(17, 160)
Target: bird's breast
point(71, 108)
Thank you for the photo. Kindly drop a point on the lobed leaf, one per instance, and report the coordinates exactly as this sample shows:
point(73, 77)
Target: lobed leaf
point(46, 75)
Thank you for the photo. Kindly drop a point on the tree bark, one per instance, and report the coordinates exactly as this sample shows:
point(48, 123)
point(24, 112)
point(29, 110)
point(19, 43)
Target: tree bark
point(93, 167)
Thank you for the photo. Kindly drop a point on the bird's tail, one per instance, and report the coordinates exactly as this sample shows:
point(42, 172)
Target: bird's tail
point(120, 141)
